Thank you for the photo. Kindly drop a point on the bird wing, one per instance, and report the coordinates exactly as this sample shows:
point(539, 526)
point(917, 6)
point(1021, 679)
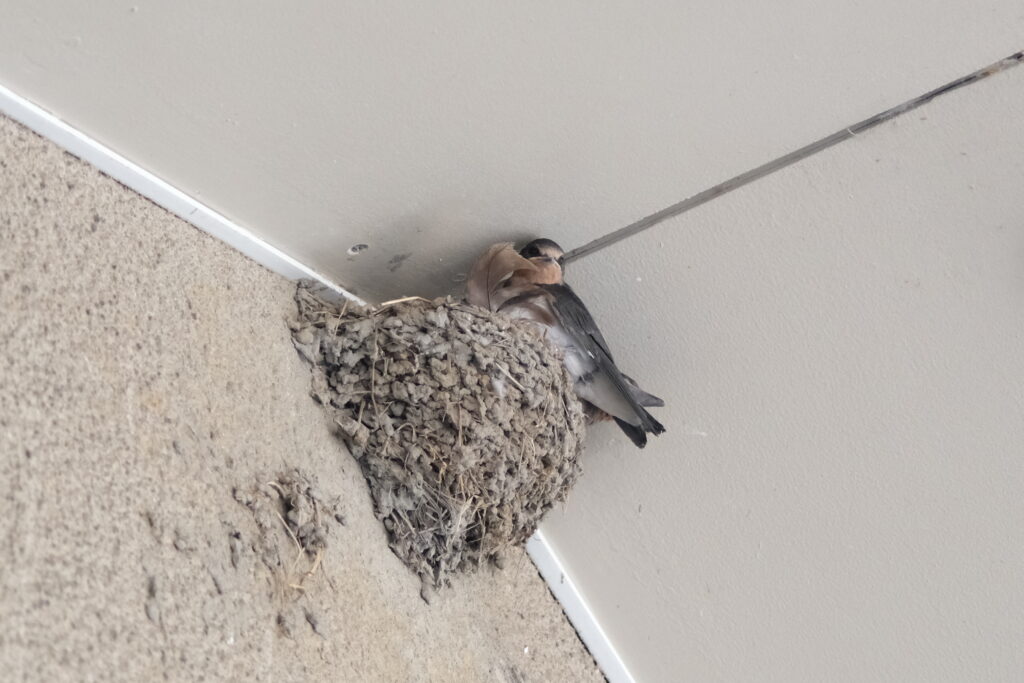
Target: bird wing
point(575, 317)
point(598, 380)
point(606, 388)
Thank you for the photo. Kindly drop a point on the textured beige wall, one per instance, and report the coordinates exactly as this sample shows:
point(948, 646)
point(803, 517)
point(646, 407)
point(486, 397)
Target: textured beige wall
point(838, 494)
point(147, 371)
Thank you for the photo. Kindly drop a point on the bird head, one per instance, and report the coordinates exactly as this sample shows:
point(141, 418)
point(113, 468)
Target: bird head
point(546, 256)
point(543, 249)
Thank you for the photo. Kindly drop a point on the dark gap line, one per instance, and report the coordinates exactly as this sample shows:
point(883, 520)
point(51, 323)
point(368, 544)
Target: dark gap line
point(789, 159)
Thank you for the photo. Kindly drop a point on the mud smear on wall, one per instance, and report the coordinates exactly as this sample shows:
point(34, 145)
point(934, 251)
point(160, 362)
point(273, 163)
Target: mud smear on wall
point(293, 502)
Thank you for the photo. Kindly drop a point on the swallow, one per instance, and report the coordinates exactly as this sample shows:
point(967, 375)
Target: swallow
point(529, 285)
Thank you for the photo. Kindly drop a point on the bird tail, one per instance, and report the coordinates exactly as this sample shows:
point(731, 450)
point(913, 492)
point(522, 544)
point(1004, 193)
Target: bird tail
point(635, 433)
point(640, 396)
point(650, 424)
point(638, 433)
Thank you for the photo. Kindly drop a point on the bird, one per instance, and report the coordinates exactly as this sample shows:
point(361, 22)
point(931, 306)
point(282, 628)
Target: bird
point(529, 284)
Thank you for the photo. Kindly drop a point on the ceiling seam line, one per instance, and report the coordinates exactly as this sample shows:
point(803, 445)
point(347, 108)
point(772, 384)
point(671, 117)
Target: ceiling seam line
point(790, 158)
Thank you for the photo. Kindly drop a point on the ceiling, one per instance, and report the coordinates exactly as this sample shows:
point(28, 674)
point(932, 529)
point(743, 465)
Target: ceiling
point(427, 131)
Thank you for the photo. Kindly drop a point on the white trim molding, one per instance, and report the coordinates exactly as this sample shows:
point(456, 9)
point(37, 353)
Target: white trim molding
point(159, 191)
point(577, 609)
point(206, 219)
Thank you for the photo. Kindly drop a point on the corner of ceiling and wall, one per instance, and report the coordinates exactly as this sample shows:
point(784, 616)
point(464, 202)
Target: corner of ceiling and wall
point(838, 493)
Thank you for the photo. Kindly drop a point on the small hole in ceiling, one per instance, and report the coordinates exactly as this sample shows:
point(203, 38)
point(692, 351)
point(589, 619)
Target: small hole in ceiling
point(356, 248)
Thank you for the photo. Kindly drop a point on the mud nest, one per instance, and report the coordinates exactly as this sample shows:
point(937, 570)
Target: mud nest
point(464, 422)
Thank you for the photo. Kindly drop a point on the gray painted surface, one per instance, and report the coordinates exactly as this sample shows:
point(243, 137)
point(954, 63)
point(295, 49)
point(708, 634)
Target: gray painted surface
point(434, 129)
point(839, 495)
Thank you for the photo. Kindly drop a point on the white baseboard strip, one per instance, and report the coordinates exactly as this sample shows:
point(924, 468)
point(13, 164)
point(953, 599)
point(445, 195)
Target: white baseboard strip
point(159, 191)
point(576, 608)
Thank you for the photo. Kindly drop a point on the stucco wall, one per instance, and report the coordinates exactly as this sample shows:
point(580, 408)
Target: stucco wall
point(148, 377)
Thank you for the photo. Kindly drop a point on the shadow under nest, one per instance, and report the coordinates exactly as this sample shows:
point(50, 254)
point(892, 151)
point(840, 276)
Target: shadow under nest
point(464, 422)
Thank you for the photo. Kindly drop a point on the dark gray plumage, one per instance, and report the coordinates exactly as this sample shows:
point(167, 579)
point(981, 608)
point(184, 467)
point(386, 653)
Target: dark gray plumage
point(547, 300)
